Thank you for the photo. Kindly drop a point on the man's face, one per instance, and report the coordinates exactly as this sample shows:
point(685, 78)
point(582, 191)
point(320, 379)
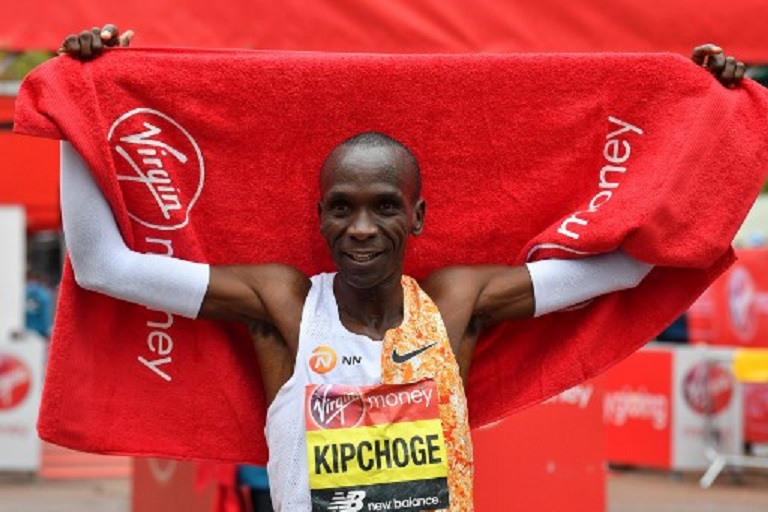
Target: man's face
point(367, 212)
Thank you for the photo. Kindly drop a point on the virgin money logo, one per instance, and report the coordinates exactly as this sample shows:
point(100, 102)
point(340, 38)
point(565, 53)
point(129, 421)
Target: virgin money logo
point(336, 406)
point(15, 381)
point(742, 303)
point(159, 167)
point(708, 388)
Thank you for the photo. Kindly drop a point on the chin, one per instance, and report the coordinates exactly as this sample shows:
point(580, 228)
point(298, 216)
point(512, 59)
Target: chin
point(363, 279)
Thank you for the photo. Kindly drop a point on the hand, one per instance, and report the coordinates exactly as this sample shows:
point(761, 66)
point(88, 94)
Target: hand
point(89, 44)
point(727, 70)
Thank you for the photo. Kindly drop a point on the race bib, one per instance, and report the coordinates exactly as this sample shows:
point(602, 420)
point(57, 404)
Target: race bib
point(376, 448)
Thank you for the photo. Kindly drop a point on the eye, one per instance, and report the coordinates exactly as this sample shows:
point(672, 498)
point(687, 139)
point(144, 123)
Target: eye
point(389, 207)
point(339, 209)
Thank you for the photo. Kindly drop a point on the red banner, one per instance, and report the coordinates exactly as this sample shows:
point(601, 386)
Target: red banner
point(734, 310)
point(756, 413)
point(637, 410)
point(398, 26)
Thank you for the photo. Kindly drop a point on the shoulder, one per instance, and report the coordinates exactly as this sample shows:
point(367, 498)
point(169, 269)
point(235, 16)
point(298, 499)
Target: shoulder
point(453, 283)
point(274, 280)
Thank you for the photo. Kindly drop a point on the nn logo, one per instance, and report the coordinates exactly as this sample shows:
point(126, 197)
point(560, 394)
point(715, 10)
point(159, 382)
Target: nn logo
point(351, 360)
point(351, 501)
point(322, 360)
point(159, 168)
point(15, 381)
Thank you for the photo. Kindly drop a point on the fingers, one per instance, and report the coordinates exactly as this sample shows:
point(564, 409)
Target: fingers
point(125, 39)
point(111, 36)
point(96, 44)
point(70, 46)
point(727, 70)
point(740, 70)
point(86, 41)
point(91, 43)
point(701, 53)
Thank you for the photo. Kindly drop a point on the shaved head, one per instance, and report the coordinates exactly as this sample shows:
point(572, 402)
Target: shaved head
point(386, 152)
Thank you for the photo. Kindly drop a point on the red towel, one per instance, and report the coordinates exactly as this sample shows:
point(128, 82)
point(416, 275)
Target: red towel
point(521, 155)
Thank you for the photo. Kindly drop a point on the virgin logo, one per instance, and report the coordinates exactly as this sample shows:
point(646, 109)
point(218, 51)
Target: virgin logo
point(159, 167)
point(708, 388)
point(15, 381)
point(742, 303)
point(336, 406)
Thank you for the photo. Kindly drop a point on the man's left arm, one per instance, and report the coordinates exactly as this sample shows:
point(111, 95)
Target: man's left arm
point(495, 293)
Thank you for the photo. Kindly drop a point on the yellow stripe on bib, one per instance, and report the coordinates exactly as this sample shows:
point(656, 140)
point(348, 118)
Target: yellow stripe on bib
point(385, 453)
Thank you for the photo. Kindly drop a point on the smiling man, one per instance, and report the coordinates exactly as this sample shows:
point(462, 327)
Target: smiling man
point(391, 336)
point(364, 368)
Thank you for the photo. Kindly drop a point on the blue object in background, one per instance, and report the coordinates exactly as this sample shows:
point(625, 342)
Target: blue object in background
point(38, 308)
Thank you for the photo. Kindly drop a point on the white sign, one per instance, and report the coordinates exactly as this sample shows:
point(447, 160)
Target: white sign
point(708, 407)
point(12, 271)
point(21, 382)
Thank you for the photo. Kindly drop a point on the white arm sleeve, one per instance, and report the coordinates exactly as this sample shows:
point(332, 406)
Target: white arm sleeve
point(103, 263)
point(558, 284)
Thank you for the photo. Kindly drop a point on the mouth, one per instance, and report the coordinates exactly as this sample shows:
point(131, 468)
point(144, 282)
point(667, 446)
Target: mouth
point(362, 257)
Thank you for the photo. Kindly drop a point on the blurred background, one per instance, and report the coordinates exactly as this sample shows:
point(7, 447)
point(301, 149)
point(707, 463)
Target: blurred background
point(653, 433)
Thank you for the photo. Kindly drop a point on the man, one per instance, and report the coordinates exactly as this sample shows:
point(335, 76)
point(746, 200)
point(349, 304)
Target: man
point(414, 340)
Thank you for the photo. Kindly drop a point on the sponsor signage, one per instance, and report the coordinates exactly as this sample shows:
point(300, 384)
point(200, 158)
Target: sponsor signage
point(637, 409)
point(21, 377)
point(734, 310)
point(664, 406)
point(160, 169)
point(707, 406)
point(153, 152)
point(756, 413)
point(376, 448)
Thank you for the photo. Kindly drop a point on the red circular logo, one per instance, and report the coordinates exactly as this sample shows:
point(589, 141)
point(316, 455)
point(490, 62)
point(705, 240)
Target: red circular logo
point(708, 388)
point(159, 167)
point(336, 406)
point(15, 381)
point(742, 304)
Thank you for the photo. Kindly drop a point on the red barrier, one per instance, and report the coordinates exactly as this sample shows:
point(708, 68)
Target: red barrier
point(161, 485)
point(549, 457)
point(637, 410)
point(756, 413)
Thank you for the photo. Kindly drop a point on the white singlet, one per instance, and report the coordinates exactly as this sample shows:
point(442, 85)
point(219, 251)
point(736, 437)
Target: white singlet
point(325, 345)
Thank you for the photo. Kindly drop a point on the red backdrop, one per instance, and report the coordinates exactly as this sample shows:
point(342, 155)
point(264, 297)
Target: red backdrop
point(403, 25)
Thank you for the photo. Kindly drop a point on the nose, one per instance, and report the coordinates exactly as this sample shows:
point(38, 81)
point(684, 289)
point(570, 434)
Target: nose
point(362, 226)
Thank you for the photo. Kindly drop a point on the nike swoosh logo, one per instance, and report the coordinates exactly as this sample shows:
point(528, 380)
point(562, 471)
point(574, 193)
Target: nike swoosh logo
point(402, 358)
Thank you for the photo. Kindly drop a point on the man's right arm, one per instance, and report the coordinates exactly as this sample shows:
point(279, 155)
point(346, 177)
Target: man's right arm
point(103, 263)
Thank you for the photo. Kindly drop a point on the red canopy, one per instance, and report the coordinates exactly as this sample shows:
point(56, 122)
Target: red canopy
point(404, 25)
point(29, 172)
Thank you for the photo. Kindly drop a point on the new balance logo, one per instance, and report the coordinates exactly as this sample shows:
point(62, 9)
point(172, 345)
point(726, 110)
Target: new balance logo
point(347, 502)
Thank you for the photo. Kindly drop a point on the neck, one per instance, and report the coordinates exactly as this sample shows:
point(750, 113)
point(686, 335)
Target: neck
point(370, 311)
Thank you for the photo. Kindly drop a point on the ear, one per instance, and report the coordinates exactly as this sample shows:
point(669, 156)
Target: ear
point(320, 208)
point(419, 212)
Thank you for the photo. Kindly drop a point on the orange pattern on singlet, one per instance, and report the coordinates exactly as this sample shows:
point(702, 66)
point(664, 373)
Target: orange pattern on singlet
point(422, 326)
